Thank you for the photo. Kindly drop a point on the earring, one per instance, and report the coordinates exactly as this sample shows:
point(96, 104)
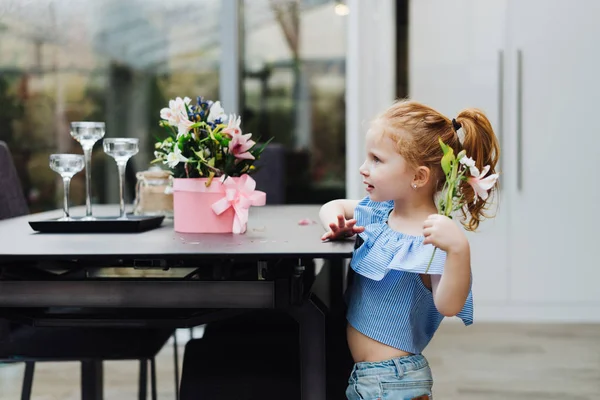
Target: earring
point(414, 185)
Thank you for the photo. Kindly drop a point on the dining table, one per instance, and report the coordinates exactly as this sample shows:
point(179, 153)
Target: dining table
point(161, 277)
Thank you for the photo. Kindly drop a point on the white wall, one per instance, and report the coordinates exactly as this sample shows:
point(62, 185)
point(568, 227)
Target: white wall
point(370, 77)
point(454, 53)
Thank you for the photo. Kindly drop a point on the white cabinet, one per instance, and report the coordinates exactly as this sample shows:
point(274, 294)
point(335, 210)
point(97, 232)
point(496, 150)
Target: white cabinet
point(538, 256)
point(554, 145)
point(456, 52)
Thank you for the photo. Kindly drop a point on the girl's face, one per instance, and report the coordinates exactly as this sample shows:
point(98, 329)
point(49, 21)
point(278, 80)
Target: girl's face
point(386, 173)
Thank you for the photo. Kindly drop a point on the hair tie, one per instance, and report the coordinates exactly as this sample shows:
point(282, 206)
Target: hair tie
point(456, 125)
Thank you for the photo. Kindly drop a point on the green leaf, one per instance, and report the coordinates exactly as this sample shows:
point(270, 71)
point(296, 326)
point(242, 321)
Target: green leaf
point(447, 160)
point(444, 146)
point(257, 150)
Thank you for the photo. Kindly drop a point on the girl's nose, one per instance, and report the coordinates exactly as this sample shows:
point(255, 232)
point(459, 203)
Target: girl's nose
point(364, 171)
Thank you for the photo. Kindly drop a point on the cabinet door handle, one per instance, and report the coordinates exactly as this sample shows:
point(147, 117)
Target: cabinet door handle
point(519, 120)
point(500, 106)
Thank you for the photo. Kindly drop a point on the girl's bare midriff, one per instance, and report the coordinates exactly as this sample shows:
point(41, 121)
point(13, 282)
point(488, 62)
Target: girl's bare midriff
point(363, 348)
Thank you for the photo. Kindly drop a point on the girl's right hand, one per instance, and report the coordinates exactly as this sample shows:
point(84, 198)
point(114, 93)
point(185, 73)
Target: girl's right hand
point(343, 229)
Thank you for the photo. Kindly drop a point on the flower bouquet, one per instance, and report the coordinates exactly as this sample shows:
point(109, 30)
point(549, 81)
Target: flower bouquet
point(458, 169)
point(211, 161)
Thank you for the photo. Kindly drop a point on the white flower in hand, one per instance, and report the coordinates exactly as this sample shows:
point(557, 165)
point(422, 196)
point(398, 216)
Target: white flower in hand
point(175, 158)
point(216, 112)
point(480, 184)
point(470, 163)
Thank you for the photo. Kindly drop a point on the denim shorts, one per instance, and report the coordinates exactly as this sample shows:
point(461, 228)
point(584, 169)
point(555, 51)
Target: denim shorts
point(403, 378)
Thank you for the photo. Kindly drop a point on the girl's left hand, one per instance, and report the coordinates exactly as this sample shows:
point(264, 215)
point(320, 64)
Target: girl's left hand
point(443, 233)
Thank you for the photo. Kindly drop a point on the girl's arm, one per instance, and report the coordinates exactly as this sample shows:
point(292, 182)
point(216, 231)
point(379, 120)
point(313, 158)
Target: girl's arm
point(330, 211)
point(450, 290)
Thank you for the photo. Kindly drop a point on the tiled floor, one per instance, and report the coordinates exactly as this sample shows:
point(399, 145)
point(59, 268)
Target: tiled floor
point(514, 362)
point(482, 362)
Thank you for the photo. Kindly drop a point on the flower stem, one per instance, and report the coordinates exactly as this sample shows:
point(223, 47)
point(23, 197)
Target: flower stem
point(448, 206)
point(431, 259)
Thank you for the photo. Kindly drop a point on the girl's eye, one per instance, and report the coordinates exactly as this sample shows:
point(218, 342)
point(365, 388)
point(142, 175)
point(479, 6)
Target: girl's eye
point(376, 159)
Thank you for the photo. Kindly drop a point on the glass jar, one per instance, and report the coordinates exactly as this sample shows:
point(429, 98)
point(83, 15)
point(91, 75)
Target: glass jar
point(153, 193)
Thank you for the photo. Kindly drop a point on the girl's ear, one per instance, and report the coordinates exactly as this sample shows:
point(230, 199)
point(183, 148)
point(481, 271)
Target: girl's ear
point(422, 177)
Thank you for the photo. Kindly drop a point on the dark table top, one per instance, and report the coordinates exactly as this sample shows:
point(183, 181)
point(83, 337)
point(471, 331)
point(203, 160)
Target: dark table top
point(273, 232)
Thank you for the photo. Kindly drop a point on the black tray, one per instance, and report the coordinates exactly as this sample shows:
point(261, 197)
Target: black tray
point(134, 223)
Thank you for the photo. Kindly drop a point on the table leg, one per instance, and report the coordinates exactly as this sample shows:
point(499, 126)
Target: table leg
point(311, 319)
point(176, 363)
point(153, 377)
point(143, 380)
point(91, 380)
point(28, 380)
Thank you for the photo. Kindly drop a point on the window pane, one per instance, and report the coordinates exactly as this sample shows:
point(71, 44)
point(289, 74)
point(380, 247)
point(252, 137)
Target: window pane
point(293, 91)
point(97, 60)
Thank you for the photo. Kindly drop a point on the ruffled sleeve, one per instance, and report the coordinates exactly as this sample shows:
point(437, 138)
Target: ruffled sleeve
point(383, 249)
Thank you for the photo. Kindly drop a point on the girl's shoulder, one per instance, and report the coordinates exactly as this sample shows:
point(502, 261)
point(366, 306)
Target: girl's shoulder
point(369, 212)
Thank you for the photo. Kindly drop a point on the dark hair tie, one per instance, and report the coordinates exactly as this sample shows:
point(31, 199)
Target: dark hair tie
point(456, 125)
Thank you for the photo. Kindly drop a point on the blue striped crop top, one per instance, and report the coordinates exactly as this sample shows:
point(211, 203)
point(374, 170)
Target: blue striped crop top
point(388, 301)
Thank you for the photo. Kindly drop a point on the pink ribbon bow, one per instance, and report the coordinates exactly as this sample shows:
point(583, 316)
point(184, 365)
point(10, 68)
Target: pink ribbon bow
point(240, 196)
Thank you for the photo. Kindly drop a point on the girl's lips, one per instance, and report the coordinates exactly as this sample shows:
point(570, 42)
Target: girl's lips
point(370, 188)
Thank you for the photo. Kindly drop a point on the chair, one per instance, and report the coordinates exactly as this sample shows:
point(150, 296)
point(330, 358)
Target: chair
point(263, 363)
point(270, 174)
point(88, 345)
point(12, 200)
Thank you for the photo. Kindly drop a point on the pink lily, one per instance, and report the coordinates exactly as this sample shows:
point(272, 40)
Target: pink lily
point(239, 146)
point(481, 185)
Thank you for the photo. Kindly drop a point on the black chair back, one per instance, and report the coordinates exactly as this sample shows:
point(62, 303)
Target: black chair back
point(12, 199)
point(270, 176)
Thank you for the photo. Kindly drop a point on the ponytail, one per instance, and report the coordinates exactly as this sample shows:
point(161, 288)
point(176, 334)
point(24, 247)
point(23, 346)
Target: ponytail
point(481, 145)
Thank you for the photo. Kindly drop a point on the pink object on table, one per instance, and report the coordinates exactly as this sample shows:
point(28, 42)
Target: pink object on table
point(218, 208)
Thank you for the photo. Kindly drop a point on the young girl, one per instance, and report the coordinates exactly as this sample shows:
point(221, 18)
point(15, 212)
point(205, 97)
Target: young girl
point(398, 298)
